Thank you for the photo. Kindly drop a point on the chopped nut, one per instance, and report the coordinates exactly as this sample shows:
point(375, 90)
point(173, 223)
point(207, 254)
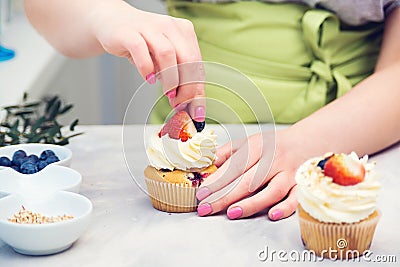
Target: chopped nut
point(28, 217)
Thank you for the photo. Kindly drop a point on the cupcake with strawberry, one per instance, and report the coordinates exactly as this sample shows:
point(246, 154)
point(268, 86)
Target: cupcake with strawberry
point(181, 155)
point(337, 197)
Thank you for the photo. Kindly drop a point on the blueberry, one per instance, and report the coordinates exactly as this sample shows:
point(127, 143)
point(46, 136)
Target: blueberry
point(47, 153)
point(19, 154)
point(28, 168)
point(199, 125)
point(4, 161)
point(18, 157)
point(33, 158)
point(197, 178)
point(41, 164)
point(322, 163)
point(52, 159)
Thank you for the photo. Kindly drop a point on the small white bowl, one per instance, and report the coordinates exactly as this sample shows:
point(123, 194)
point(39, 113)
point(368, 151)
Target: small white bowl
point(51, 179)
point(49, 238)
point(62, 152)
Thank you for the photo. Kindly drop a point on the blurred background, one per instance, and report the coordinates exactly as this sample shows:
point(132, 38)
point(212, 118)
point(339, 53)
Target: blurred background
point(100, 88)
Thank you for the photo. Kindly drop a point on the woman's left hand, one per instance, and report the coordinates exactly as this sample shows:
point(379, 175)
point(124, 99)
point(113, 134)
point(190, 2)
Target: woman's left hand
point(251, 177)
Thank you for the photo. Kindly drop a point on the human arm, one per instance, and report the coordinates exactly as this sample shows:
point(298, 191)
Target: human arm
point(152, 42)
point(365, 120)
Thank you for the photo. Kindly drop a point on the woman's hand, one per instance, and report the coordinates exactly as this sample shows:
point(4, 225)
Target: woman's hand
point(155, 44)
point(251, 177)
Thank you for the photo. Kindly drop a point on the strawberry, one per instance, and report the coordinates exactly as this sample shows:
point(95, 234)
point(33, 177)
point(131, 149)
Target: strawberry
point(179, 126)
point(344, 170)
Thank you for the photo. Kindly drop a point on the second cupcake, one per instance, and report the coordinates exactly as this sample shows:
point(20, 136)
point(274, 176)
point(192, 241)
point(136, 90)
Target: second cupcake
point(337, 197)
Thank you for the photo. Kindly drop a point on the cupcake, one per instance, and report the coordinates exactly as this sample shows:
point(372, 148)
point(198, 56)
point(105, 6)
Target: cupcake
point(181, 155)
point(337, 197)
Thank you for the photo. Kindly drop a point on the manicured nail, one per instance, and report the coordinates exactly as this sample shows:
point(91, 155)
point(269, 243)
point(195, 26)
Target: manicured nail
point(200, 113)
point(171, 94)
point(276, 215)
point(235, 213)
point(180, 107)
point(204, 209)
point(203, 193)
point(151, 78)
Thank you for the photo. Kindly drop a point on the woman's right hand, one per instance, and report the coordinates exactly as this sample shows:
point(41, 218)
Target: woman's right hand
point(155, 44)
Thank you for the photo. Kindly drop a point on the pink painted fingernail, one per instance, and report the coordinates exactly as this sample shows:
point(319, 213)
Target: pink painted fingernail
point(151, 78)
point(203, 193)
point(200, 113)
point(235, 213)
point(171, 94)
point(276, 214)
point(180, 107)
point(204, 209)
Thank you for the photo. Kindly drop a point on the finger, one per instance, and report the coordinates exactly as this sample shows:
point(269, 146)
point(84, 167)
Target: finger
point(248, 154)
point(235, 156)
point(276, 190)
point(191, 88)
point(224, 198)
point(164, 56)
point(286, 207)
point(140, 54)
point(268, 154)
point(225, 152)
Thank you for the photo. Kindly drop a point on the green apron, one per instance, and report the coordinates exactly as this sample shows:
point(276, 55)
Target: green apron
point(300, 58)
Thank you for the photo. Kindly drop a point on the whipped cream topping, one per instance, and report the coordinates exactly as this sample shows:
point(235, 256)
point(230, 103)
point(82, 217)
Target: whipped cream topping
point(197, 152)
point(327, 201)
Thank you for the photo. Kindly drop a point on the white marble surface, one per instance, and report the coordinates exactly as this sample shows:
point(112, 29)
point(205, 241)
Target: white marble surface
point(126, 231)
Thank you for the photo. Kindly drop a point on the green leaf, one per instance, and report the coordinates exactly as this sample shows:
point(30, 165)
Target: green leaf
point(27, 122)
point(12, 107)
point(53, 111)
point(49, 103)
point(37, 124)
point(31, 104)
point(63, 142)
point(36, 138)
point(23, 112)
point(38, 120)
point(5, 124)
point(13, 135)
point(73, 125)
point(15, 126)
point(54, 130)
point(65, 109)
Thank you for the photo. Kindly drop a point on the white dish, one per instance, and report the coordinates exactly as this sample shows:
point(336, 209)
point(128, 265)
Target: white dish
point(49, 238)
point(51, 179)
point(62, 152)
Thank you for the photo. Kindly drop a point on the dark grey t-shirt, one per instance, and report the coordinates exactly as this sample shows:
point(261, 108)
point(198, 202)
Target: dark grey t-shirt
point(351, 12)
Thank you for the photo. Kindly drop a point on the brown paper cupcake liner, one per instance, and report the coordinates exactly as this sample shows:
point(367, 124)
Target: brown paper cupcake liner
point(337, 241)
point(171, 197)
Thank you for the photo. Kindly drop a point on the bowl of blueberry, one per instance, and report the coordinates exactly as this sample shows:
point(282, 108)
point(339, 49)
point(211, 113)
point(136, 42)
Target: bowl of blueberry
point(34, 157)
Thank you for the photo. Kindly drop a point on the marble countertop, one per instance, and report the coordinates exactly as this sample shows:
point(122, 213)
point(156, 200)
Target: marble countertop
point(127, 231)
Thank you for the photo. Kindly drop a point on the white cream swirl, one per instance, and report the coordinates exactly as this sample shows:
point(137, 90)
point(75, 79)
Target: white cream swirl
point(327, 201)
point(196, 152)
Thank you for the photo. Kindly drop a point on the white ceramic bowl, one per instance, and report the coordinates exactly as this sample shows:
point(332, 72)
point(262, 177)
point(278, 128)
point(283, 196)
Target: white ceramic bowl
point(62, 152)
point(49, 238)
point(51, 179)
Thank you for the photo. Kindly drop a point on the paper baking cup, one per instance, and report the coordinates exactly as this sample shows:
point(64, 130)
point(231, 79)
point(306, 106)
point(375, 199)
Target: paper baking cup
point(171, 197)
point(337, 241)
